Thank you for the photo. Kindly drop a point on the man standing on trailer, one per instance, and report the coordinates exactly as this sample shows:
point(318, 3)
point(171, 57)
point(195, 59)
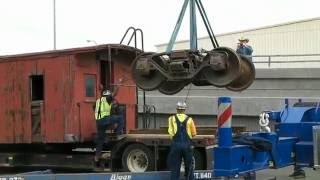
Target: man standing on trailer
point(244, 48)
point(104, 118)
point(181, 130)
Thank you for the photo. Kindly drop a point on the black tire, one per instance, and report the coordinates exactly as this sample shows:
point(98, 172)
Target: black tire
point(199, 160)
point(137, 158)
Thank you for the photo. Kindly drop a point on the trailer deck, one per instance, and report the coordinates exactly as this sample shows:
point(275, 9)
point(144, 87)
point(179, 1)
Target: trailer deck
point(160, 175)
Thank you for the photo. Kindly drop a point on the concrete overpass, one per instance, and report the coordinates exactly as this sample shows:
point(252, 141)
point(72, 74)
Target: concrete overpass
point(266, 93)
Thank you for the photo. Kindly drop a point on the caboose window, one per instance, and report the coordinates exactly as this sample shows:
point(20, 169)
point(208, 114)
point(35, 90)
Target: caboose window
point(90, 84)
point(37, 87)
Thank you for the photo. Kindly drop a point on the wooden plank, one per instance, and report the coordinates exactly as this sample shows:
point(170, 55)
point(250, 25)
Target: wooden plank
point(200, 131)
point(163, 136)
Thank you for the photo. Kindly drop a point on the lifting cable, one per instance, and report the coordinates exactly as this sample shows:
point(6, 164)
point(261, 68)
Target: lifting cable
point(187, 96)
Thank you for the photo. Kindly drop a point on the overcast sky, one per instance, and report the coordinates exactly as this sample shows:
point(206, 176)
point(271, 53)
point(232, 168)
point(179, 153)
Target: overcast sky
point(27, 25)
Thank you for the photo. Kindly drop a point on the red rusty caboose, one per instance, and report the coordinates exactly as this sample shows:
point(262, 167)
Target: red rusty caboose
point(48, 97)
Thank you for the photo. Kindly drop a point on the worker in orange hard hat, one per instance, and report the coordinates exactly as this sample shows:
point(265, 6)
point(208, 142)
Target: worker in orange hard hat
point(244, 48)
point(181, 129)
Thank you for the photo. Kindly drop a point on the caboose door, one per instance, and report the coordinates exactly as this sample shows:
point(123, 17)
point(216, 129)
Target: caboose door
point(36, 121)
point(37, 97)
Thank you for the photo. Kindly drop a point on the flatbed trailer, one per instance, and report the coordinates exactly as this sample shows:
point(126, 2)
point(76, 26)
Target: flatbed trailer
point(139, 151)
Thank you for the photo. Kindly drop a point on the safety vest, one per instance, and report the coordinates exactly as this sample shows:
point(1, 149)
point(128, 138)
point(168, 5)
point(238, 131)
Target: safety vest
point(181, 122)
point(104, 106)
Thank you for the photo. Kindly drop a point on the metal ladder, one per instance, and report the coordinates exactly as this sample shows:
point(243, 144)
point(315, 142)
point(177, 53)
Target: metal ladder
point(148, 110)
point(133, 36)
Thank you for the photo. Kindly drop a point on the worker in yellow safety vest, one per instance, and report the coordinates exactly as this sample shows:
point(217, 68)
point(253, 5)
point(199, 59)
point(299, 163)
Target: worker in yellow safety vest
point(104, 119)
point(181, 129)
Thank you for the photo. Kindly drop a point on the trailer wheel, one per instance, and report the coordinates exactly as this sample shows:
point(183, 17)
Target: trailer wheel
point(137, 158)
point(197, 161)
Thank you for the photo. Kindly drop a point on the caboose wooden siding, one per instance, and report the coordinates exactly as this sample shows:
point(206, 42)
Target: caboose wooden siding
point(48, 97)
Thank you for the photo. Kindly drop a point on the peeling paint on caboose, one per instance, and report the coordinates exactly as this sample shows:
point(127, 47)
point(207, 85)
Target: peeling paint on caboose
point(48, 97)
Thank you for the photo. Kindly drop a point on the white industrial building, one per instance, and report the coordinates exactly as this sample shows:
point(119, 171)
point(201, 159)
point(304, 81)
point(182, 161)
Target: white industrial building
point(297, 42)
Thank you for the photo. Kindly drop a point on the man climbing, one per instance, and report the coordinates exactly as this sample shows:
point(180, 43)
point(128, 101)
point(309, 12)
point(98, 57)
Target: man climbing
point(105, 118)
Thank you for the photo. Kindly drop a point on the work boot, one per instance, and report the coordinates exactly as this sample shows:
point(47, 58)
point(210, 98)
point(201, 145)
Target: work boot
point(97, 166)
point(121, 136)
point(96, 161)
point(298, 174)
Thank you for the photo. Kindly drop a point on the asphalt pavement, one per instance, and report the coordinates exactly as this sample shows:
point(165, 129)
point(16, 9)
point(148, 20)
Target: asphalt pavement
point(283, 174)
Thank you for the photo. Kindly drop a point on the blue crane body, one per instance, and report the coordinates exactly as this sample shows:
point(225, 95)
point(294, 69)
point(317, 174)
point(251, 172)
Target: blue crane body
point(291, 144)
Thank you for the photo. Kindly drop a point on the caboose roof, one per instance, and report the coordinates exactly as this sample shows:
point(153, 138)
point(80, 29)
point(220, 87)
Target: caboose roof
point(71, 51)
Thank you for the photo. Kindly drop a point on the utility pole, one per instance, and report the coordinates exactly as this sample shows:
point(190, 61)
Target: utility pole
point(54, 24)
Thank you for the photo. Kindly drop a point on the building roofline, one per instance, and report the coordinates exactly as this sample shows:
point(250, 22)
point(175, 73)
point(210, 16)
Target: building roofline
point(251, 29)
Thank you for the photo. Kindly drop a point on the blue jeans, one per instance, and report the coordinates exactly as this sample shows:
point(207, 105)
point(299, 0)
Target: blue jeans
point(102, 125)
point(177, 152)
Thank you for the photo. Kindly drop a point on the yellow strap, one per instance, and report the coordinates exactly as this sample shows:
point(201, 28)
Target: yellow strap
point(172, 125)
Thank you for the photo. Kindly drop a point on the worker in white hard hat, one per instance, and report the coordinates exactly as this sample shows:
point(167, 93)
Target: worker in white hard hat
point(181, 130)
point(105, 118)
point(244, 48)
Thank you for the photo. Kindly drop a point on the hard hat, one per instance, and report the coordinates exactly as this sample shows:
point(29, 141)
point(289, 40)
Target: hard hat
point(243, 39)
point(106, 93)
point(181, 105)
